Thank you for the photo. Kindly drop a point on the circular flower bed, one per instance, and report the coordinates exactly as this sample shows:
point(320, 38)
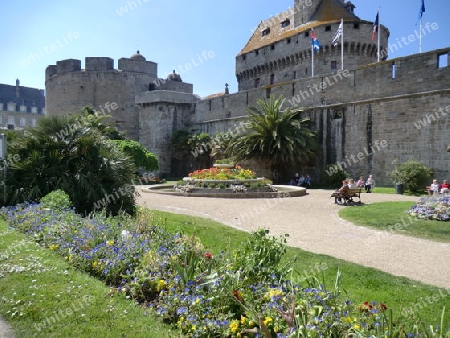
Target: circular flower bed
point(223, 174)
point(434, 207)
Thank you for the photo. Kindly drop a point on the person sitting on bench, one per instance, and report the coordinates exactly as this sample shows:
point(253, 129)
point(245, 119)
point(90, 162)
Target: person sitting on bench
point(338, 198)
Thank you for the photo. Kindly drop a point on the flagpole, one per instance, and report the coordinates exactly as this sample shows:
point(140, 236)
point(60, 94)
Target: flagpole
point(379, 31)
point(342, 44)
point(420, 35)
point(312, 60)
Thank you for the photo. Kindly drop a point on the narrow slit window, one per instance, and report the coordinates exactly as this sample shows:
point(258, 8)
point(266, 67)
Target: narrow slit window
point(394, 70)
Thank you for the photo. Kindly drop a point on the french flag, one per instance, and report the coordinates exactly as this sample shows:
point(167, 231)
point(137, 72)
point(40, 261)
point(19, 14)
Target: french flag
point(375, 28)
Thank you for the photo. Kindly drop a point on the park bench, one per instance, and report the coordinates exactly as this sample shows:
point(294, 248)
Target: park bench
point(347, 196)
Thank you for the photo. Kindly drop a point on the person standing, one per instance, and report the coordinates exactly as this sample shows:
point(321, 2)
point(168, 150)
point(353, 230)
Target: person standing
point(370, 183)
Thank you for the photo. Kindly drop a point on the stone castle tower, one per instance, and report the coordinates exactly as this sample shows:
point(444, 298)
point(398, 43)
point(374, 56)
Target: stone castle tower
point(280, 48)
point(396, 103)
point(69, 88)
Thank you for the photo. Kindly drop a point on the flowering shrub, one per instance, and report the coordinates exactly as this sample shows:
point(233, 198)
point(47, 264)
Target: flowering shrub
point(223, 174)
point(437, 208)
point(247, 293)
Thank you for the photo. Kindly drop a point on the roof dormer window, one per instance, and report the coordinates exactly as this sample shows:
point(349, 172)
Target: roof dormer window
point(285, 23)
point(266, 31)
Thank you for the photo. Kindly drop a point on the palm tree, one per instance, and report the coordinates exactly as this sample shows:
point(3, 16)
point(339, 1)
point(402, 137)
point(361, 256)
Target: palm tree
point(275, 135)
point(70, 154)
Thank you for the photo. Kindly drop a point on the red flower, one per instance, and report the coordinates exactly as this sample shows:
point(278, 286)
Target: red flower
point(208, 255)
point(236, 295)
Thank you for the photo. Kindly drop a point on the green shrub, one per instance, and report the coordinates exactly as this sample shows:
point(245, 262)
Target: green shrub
point(56, 200)
point(413, 174)
point(141, 156)
point(333, 175)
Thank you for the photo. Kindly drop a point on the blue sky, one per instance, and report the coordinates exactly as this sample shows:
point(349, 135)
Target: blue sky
point(36, 34)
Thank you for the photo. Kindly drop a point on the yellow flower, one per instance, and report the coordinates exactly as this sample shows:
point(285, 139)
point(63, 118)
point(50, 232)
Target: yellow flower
point(348, 320)
point(234, 326)
point(161, 284)
point(357, 327)
point(110, 243)
point(274, 293)
point(53, 247)
point(243, 320)
point(94, 264)
point(267, 320)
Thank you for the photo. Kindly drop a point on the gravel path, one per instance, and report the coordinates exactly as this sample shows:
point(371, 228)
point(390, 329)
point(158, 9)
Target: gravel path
point(5, 329)
point(313, 225)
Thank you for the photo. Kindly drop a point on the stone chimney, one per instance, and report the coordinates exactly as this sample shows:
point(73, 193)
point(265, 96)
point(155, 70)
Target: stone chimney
point(17, 88)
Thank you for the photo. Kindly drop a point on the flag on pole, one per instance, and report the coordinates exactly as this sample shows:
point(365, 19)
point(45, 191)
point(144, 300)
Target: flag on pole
point(337, 35)
point(315, 41)
point(375, 27)
point(422, 9)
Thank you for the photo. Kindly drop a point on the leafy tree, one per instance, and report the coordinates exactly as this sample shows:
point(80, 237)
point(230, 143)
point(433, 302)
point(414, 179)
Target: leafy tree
point(71, 154)
point(275, 135)
point(413, 174)
point(142, 157)
point(200, 148)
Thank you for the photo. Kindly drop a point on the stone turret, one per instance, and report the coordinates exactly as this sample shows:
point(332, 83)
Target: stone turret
point(280, 48)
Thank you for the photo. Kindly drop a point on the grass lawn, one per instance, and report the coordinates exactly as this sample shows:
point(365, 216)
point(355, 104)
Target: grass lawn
point(48, 298)
point(393, 213)
point(51, 299)
point(359, 283)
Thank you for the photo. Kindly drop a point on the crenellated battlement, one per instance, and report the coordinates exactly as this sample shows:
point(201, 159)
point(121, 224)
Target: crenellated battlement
point(103, 64)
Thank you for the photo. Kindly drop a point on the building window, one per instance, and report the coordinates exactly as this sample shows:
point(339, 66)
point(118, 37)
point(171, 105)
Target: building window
point(442, 60)
point(23, 122)
point(151, 87)
point(394, 70)
point(11, 107)
point(356, 26)
point(288, 40)
point(328, 28)
point(11, 119)
point(267, 93)
point(266, 32)
point(306, 34)
point(23, 109)
point(33, 122)
point(243, 57)
point(272, 79)
point(333, 65)
point(1, 120)
point(285, 23)
point(257, 82)
point(272, 47)
point(34, 110)
point(256, 52)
